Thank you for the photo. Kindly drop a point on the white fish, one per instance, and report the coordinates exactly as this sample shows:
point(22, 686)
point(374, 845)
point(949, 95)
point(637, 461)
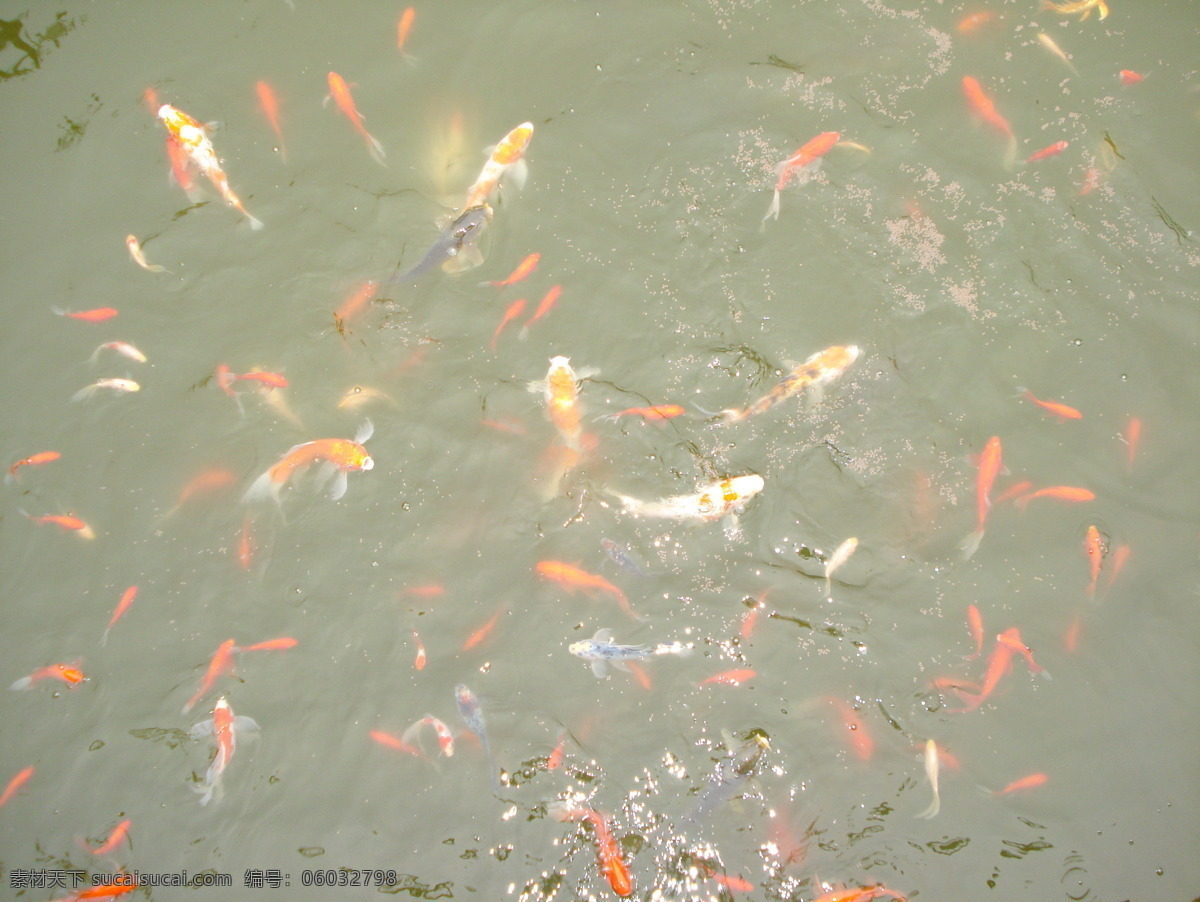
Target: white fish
point(931, 771)
point(601, 651)
point(118, 385)
point(839, 557)
point(711, 502)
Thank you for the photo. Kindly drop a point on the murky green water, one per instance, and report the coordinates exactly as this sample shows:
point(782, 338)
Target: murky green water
point(656, 129)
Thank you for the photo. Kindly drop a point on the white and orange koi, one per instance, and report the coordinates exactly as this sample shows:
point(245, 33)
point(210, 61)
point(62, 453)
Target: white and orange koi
point(506, 161)
point(340, 456)
point(193, 138)
point(1081, 8)
point(818, 370)
point(709, 503)
point(224, 726)
point(135, 251)
point(444, 736)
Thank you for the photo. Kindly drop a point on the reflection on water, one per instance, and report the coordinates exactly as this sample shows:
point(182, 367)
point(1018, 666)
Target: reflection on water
point(789, 755)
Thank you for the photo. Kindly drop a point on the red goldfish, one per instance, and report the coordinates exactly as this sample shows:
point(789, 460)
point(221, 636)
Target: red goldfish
point(574, 578)
point(14, 785)
point(990, 463)
point(524, 268)
point(340, 92)
point(224, 726)
point(127, 598)
point(65, 673)
point(1058, 409)
point(34, 460)
point(985, 109)
point(807, 160)
point(270, 108)
point(1052, 150)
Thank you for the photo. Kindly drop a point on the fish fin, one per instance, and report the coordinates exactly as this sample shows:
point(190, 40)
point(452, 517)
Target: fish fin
point(263, 487)
point(468, 257)
point(600, 669)
point(537, 387)
point(603, 635)
point(970, 544)
point(376, 150)
point(517, 174)
point(84, 392)
point(773, 210)
point(934, 807)
point(22, 683)
point(255, 224)
point(340, 481)
point(364, 433)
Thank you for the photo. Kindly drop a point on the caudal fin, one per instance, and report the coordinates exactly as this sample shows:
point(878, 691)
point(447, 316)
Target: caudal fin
point(262, 488)
point(970, 544)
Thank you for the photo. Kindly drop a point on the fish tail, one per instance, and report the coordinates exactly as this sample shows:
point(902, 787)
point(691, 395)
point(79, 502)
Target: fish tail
point(255, 223)
point(263, 487)
point(970, 544)
point(84, 392)
point(934, 807)
point(375, 149)
point(22, 683)
point(773, 210)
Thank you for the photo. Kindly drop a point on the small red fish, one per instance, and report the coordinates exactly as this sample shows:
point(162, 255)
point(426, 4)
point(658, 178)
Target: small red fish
point(15, 784)
point(395, 742)
point(220, 664)
point(730, 677)
point(1058, 492)
point(971, 24)
point(115, 838)
point(547, 302)
point(126, 883)
point(555, 759)
point(513, 311)
point(33, 460)
point(998, 666)
point(432, 590)
point(1052, 150)
point(1095, 548)
point(608, 853)
point(985, 109)
point(1120, 557)
point(127, 598)
point(340, 92)
point(1129, 77)
point(205, 482)
point(353, 305)
point(574, 578)
point(403, 27)
point(1012, 639)
point(1062, 411)
point(65, 673)
point(990, 463)
point(806, 159)
point(65, 522)
point(1013, 491)
point(271, 380)
point(975, 624)
point(860, 738)
point(419, 660)
point(281, 644)
point(1132, 438)
point(656, 414)
point(1029, 782)
point(484, 631)
point(95, 315)
point(524, 268)
point(246, 547)
point(270, 107)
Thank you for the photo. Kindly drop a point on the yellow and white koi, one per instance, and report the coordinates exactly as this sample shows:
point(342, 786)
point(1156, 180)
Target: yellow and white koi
point(507, 160)
point(560, 390)
point(117, 385)
point(821, 368)
point(135, 251)
point(1081, 8)
point(711, 502)
point(193, 138)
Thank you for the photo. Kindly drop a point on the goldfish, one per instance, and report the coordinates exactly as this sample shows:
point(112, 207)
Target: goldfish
point(544, 306)
point(860, 737)
point(456, 248)
point(608, 853)
point(246, 546)
point(115, 838)
point(513, 311)
point(989, 468)
point(126, 600)
point(524, 268)
point(270, 108)
point(1051, 150)
point(281, 644)
point(818, 370)
point(177, 157)
point(1049, 43)
point(1058, 409)
point(1095, 548)
point(121, 386)
point(972, 23)
point(574, 578)
point(560, 390)
point(269, 380)
point(857, 894)
point(477, 636)
point(506, 161)
point(64, 673)
point(419, 660)
point(403, 27)
point(1012, 639)
point(33, 460)
point(95, 315)
point(555, 759)
point(395, 742)
point(1129, 77)
point(471, 712)
point(205, 482)
point(730, 677)
point(193, 138)
point(975, 625)
point(119, 884)
point(444, 736)
point(1081, 8)
point(224, 726)
point(353, 305)
point(14, 785)
point(998, 665)
point(840, 555)
point(124, 348)
point(601, 651)
point(983, 107)
point(711, 502)
point(1029, 782)
point(135, 251)
point(1120, 557)
point(931, 772)
point(340, 457)
point(807, 160)
point(1059, 492)
point(65, 522)
point(1132, 439)
point(658, 413)
point(220, 664)
point(340, 92)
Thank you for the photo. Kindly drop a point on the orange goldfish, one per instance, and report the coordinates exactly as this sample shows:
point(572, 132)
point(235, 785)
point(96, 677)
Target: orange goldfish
point(1012, 639)
point(858, 894)
point(135, 251)
point(221, 664)
point(513, 311)
point(985, 109)
point(998, 666)
point(95, 315)
point(1029, 782)
point(353, 305)
point(121, 883)
point(118, 834)
point(340, 92)
point(1052, 150)
point(1132, 438)
point(1059, 492)
point(730, 677)
point(608, 853)
point(975, 624)
point(341, 455)
point(544, 307)
point(807, 160)
point(14, 785)
point(395, 742)
point(574, 578)
point(818, 370)
point(1062, 411)
point(193, 138)
point(1095, 548)
point(659, 413)
point(246, 546)
point(1129, 77)
point(972, 23)
point(206, 481)
point(403, 27)
point(524, 268)
point(989, 469)
point(65, 522)
point(419, 660)
point(65, 673)
point(270, 108)
point(127, 598)
point(34, 460)
point(860, 737)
